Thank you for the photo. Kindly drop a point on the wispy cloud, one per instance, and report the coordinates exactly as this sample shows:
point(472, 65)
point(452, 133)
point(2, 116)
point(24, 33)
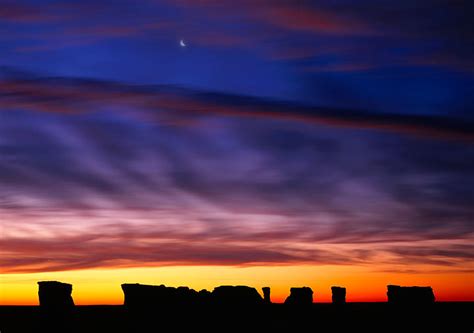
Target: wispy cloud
point(102, 174)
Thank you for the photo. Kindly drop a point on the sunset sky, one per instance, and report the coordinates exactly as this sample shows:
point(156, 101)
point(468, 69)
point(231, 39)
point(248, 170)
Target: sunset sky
point(275, 143)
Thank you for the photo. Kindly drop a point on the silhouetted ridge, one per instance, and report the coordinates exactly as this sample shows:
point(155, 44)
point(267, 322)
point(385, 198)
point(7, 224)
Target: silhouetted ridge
point(54, 295)
point(300, 296)
point(410, 295)
point(338, 295)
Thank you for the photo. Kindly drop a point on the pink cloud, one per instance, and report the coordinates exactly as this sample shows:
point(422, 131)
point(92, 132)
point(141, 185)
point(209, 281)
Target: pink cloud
point(141, 246)
point(313, 20)
point(16, 13)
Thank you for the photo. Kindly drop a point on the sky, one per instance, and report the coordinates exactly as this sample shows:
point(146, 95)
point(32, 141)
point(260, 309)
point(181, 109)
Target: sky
point(208, 142)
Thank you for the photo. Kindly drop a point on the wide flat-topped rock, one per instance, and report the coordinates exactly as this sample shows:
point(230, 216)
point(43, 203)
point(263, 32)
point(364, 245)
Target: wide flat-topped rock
point(236, 296)
point(141, 295)
point(410, 295)
point(300, 296)
point(150, 296)
point(54, 295)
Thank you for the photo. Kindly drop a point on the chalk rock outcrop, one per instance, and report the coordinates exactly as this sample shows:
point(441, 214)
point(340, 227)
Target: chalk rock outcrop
point(410, 295)
point(54, 295)
point(266, 295)
point(300, 296)
point(338, 295)
point(236, 296)
point(149, 296)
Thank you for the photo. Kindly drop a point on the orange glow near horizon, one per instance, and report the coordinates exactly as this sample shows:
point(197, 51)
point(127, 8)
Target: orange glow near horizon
point(102, 286)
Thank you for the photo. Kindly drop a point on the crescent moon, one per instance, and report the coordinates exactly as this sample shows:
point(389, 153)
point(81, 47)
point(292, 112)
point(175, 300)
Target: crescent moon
point(182, 43)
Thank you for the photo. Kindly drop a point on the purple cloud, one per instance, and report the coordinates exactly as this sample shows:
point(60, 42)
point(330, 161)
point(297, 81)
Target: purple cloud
point(110, 175)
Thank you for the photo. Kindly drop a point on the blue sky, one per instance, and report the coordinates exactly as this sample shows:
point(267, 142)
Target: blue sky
point(408, 57)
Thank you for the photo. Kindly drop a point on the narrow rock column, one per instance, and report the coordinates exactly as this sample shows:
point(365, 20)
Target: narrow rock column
point(266, 295)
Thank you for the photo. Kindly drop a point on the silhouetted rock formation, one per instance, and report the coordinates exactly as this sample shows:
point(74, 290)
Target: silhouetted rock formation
point(57, 308)
point(338, 295)
point(410, 295)
point(139, 296)
point(300, 296)
point(148, 296)
point(169, 311)
point(55, 296)
point(205, 296)
point(236, 296)
point(266, 295)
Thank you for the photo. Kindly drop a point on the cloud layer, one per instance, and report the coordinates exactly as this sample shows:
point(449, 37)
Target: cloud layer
point(60, 95)
point(101, 174)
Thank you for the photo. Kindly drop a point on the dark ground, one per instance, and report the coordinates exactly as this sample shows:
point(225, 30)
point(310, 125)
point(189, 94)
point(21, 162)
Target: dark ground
point(352, 317)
